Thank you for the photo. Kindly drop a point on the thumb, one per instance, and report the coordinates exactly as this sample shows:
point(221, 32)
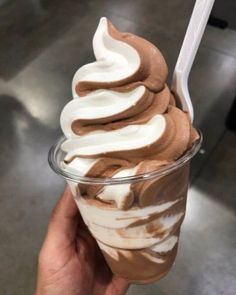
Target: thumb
point(64, 220)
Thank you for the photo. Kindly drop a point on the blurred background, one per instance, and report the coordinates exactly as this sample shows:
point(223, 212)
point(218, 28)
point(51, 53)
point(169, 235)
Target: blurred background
point(42, 44)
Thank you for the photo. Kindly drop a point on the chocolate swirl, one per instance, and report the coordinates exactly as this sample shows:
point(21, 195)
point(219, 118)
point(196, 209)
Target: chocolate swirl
point(129, 60)
point(123, 119)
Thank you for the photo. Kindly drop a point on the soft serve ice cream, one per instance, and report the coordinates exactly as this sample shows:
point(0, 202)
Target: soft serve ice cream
point(123, 121)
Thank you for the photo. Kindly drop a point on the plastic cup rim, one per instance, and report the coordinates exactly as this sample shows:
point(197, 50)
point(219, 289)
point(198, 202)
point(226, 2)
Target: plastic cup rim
point(55, 161)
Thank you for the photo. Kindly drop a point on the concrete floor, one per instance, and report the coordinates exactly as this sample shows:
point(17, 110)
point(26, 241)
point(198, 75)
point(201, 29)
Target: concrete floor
point(42, 44)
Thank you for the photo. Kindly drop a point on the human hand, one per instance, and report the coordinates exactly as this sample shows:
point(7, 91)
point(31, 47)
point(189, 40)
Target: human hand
point(70, 262)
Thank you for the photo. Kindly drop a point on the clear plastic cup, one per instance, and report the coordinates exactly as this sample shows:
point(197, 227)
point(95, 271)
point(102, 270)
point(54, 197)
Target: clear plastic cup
point(139, 244)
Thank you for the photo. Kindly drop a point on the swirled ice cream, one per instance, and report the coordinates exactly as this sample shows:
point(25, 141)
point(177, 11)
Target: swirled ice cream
point(123, 121)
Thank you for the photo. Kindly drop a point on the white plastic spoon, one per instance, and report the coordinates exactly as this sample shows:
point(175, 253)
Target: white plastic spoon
point(192, 39)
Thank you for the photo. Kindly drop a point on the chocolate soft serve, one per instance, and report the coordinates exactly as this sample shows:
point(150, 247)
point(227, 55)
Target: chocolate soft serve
point(123, 121)
point(123, 110)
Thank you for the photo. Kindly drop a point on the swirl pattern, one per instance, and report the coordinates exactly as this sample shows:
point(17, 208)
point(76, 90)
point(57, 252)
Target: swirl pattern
point(123, 121)
point(123, 110)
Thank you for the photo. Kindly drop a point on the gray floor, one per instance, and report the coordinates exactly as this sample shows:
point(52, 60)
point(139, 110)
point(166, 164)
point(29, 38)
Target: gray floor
point(42, 44)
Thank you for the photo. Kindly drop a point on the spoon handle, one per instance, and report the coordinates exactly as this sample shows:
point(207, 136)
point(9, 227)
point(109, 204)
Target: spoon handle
point(192, 39)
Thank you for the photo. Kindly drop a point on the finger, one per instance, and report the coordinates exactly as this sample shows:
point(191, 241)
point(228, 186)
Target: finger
point(64, 220)
point(86, 254)
point(121, 285)
point(91, 245)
